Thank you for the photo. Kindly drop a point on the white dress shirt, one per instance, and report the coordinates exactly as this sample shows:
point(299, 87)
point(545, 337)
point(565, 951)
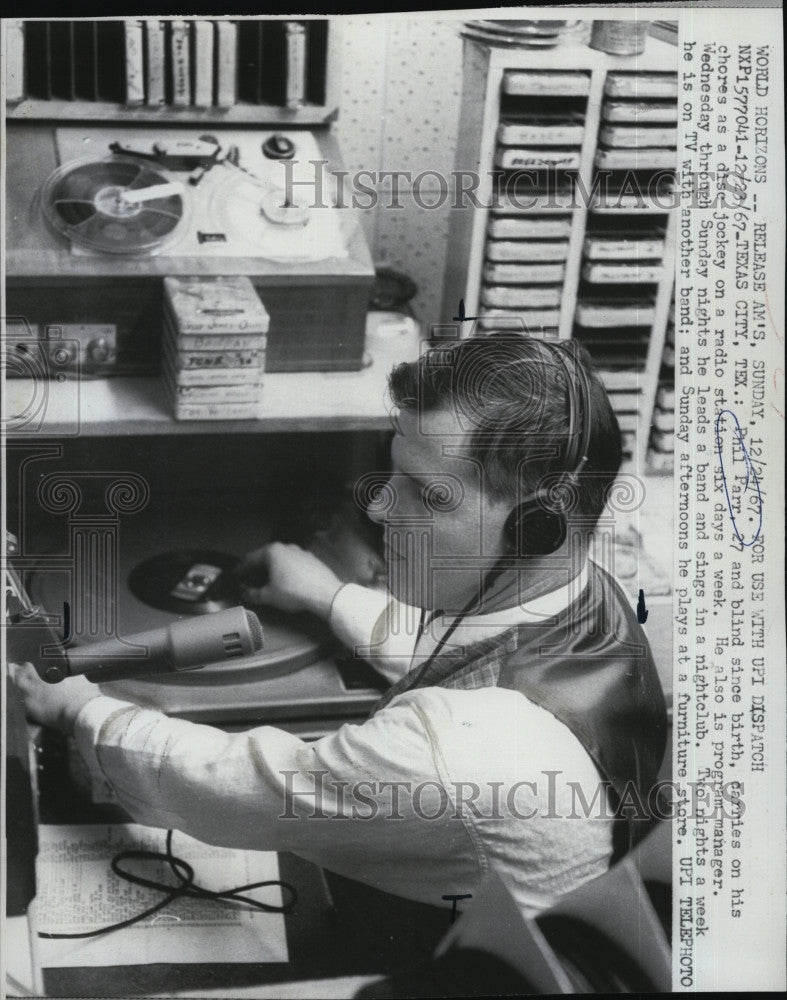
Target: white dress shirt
point(421, 800)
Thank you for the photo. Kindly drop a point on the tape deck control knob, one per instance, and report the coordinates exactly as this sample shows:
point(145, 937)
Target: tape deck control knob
point(278, 147)
point(62, 355)
point(99, 350)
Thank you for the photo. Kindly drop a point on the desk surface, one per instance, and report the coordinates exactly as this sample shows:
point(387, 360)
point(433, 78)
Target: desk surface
point(316, 951)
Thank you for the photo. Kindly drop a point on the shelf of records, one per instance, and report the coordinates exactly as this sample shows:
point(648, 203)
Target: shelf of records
point(219, 69)
point(532, 238)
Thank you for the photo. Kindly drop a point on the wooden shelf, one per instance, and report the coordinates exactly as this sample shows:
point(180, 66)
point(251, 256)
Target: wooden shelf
point(102, 111)
point(292, 401)
point(320, 108)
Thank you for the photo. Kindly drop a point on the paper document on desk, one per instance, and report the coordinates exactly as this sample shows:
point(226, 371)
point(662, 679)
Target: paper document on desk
point(78, 891)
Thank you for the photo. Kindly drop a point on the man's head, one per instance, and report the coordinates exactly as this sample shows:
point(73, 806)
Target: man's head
point(482, 426)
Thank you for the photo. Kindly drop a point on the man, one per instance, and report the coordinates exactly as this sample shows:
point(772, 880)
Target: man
point(525, 703)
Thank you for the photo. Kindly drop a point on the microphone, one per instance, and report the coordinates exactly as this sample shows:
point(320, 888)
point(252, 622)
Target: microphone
point(186, 644)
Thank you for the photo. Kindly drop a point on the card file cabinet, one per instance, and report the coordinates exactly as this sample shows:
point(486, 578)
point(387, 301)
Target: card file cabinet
point(573, 232)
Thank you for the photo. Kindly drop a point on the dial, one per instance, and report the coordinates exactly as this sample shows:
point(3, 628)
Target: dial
point(278, 147)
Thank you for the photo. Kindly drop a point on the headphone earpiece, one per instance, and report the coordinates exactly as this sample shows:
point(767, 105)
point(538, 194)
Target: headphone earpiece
point(533, 530)
point(538, 529)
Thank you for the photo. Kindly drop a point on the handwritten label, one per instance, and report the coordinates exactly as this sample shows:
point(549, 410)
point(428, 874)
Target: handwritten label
point(744, 499)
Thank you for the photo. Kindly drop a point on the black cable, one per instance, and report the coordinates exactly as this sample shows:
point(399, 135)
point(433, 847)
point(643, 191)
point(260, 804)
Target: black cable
point(489, 579)
point(184, 873)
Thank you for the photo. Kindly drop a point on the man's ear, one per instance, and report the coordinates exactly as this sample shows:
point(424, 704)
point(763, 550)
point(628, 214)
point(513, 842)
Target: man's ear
point(532, 529)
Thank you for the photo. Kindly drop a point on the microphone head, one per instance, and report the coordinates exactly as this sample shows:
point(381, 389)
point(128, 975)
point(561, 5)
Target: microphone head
point(255, 631)
point(222, 635)
point(186, 644)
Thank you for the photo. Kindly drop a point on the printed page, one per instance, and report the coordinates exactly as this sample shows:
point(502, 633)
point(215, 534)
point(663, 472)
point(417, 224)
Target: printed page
point(728, 908)
point(78, 891)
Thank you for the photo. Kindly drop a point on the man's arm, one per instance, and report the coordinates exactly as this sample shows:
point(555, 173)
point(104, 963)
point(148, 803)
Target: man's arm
point(418, 800)
point(232, 789)
point(269, 790)
point(367, 621)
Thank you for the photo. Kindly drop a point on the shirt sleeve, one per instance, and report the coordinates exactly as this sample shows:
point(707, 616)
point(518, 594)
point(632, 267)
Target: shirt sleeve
point(330, 801)
point(420, 800)
point(378, 628)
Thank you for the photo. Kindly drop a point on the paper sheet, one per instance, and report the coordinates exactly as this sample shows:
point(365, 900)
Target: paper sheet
point(78, 891)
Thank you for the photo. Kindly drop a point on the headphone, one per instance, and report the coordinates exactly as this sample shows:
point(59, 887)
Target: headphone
point(537, 526)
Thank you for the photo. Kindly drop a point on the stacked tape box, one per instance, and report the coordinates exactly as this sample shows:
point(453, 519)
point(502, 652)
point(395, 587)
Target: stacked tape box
point(576, 236)
point(624, 256)
point(662, 433)
point(215, 334)
point(538, 153)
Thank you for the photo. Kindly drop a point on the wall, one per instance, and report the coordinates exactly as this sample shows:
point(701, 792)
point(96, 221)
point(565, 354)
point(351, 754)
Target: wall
point(399, 110)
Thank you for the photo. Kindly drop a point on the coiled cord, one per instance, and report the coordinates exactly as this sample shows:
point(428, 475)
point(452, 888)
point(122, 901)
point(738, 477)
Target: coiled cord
point(186, 886)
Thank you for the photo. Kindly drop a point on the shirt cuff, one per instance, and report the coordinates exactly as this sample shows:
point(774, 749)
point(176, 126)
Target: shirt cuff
point(87, 730)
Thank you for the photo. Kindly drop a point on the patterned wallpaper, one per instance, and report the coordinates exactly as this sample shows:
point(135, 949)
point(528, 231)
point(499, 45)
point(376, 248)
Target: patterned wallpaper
point(399, 110)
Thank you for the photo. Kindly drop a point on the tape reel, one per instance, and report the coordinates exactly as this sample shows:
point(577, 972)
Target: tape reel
point(120, 205)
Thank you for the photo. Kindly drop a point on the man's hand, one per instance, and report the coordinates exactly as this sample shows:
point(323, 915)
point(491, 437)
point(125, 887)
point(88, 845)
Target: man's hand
point(294, 580)
point(55, 705)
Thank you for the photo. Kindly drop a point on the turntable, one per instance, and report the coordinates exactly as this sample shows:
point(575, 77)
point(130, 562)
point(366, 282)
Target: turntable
point(91, 203)
point(301, 679)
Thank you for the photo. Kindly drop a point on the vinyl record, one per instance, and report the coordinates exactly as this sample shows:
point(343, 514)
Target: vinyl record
point(528, 34)
point(186, 582)
point(542, 29)
point(101, 205)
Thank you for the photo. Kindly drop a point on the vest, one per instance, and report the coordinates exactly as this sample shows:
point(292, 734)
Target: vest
point(591, 667)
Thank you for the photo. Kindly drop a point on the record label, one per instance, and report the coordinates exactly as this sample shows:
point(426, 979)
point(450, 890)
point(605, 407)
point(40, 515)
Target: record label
point(186, 582)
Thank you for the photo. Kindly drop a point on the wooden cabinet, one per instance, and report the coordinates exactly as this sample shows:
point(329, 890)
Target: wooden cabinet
point(78, 88)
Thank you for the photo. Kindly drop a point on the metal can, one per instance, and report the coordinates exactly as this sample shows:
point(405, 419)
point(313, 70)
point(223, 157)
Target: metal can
point(620, 38)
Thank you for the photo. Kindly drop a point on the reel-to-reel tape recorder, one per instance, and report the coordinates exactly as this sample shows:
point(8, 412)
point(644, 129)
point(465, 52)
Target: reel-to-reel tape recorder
point(98, 216)
point(191, 197)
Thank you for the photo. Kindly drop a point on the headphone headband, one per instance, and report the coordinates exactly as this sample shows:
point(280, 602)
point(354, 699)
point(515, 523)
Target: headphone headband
point(579, 427)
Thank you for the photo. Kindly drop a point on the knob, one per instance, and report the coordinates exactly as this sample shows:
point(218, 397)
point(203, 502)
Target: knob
point(62, 355)
point(278, 147)
point(98, 350)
